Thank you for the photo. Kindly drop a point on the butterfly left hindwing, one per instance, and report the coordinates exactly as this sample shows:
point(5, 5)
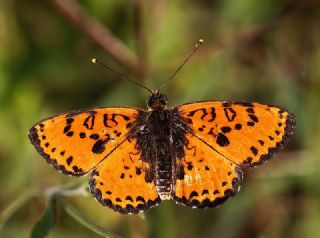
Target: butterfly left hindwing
point(123, 181)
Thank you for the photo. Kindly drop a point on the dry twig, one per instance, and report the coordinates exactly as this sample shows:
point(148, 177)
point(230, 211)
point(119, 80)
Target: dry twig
point(97, 33)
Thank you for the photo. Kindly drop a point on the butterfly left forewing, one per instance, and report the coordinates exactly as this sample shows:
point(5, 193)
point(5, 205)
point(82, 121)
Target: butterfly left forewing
point(246, 133)
point(77, 141)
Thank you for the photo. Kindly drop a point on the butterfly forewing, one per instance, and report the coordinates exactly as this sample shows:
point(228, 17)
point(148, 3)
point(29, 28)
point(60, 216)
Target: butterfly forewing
point(75, 142)
point(245, 133)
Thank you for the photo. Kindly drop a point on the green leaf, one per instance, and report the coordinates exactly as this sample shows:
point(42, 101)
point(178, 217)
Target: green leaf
point(47, 221)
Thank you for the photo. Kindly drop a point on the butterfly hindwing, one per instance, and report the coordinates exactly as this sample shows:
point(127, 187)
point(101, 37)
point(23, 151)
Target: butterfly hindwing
point(206, 178)
point(124, 182)
point(246, 133)
point(77, 141)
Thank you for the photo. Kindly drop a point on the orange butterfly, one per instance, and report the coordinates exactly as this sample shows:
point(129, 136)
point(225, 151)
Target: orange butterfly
point(193, 154)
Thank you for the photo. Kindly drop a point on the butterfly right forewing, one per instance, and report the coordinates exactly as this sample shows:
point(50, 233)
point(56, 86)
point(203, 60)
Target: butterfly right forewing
point(246, 133)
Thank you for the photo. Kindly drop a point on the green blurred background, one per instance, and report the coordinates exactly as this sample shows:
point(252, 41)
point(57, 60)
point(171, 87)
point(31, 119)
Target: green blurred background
point(266, 51)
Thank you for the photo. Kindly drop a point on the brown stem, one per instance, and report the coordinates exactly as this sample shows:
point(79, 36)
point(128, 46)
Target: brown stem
point(97, 33)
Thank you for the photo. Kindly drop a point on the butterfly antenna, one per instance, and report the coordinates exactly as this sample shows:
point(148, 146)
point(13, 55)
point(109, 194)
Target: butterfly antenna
point(119, 75)
point(198, 44)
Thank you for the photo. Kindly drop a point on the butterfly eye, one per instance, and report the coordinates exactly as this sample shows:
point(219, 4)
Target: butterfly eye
point(149, 101)
point(164, 99)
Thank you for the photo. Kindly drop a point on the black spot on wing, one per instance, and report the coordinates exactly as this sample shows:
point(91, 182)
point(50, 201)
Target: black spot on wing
point(69, 120)
point(205, 191)
point(222, 140)
point(82, 135)
point(203, 110)
point(138, 171)
point(89, 122)
point(180, 172)
point(189, 166)
point(99, 146)
point(250, 123)
point(129, 198)
point(229, 113)
point(254, 150)
point(238, 126)
point(94, 136)
point(193, 194)
point(212, 114)
point(245, 104)
point(225, 129)
point(76, 169)
point(253, 118)
point(66, 129)
point(250, 110)
point(69, 160)
point(70, 134)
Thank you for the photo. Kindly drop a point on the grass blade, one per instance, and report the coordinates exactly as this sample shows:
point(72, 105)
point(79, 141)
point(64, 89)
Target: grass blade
point(47, 221)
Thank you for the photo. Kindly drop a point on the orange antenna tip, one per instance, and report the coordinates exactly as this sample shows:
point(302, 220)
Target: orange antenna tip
point(197, 45)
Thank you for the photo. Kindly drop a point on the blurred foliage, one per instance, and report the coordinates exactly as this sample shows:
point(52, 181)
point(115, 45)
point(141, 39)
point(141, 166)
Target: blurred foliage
point(266, 51)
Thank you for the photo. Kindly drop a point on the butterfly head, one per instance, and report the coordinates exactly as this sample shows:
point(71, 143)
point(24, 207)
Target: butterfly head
point(156, 101)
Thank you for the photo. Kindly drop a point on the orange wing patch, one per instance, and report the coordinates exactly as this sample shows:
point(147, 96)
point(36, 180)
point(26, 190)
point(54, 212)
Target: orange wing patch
point(246, 133)
point(206, 178)
point(124, 182)
point(75, 142)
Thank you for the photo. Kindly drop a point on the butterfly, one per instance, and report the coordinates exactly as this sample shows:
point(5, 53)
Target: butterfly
point(194, 154)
